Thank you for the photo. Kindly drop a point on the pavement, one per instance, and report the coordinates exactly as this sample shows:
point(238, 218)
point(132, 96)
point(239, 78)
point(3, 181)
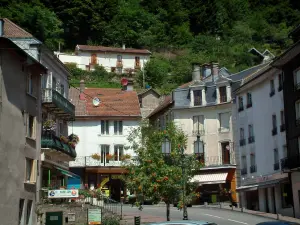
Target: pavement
point(223, 216)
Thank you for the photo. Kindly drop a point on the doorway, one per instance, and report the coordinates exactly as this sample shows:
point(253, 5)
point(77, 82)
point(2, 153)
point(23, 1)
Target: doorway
point(225, 152)
point(54, 218)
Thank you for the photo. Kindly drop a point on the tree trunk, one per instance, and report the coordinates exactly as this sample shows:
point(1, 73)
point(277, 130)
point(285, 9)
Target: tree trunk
point(168, 210)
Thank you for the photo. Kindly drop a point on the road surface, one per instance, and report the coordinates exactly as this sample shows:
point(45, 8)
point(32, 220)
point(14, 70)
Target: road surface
point(218, 216)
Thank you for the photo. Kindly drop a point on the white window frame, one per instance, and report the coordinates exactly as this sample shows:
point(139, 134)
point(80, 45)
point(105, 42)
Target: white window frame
point(198, 124)
point(104, 127)
point(30, 171)
point(118, 152)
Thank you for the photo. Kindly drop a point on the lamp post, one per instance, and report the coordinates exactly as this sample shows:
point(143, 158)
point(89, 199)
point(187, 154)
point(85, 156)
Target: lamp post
point(185, 214)
point(198, 149)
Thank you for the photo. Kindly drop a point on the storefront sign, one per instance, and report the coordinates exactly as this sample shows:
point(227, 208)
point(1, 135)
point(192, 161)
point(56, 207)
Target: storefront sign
point(94, 216)
point(73, 193)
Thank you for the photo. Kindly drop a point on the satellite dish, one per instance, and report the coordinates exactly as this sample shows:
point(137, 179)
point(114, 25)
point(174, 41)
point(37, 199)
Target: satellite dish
point(96, 101)
point(124, 82)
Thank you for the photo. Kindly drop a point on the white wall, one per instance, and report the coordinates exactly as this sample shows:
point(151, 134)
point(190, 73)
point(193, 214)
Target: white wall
point(107, 60)
point(260, 115)
point(90, 137)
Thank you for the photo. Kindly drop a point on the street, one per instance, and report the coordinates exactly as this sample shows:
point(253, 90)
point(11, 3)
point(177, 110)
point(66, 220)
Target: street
point(218, 216)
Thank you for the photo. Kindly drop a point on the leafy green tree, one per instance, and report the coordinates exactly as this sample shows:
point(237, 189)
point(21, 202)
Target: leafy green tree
point(155, 175)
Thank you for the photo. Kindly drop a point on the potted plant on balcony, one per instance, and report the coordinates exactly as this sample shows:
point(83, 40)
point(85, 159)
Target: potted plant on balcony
point(96, 156)
point(109, 156)
point(125, 157)
point(49, 125)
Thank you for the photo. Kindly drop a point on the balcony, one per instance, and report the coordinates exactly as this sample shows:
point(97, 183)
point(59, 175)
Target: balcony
point(282, 127)
point(253, 169)
point(58, 104)
point(119, 64)
point(290, 163)
point(218, 161)
point(198, 132)
point(244, 171)
point(276, 166)
point(251, 140)
point(274, 131)
point(223, 129)
point(242, 142)
point(88, 161)
point(241, 108)
point(272, 93)
point(53, 144)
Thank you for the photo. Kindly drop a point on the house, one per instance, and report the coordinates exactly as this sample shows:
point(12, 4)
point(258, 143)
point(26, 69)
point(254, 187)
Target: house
point(57, 110)
point(118, 60)
point(203, 109)
point(104, 117)
point(261, 142)
point(20, 119)
point(149, 99)
point(289, 63)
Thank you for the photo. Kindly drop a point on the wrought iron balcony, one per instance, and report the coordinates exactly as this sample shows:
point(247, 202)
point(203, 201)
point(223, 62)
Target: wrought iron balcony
point(274, 131)
point(217, 161)
point(198, 132)
point(276, 166)
point(251, 139)
point(88, 161)
point(242, 142)
point(282, 127)
point(58, 104)
point(253, 169)
point(50, 141)
point(290, 163)
point(244, 171)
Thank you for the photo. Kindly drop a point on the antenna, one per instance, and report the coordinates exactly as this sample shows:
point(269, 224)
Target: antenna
point(96, 101)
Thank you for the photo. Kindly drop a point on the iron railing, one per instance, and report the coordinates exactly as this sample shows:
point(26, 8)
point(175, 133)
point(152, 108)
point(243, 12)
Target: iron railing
point(251, 139)
point(219, 160)
point(88, 161)
point(253, 169)
point(244, 171)
point(274, 131)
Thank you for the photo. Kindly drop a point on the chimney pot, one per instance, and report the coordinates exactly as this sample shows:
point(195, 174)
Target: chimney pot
point(196, 72)
point(1, 27)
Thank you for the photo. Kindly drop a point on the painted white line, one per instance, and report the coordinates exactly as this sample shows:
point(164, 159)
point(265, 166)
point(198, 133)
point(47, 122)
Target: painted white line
point(237, 221)
point(213, 216)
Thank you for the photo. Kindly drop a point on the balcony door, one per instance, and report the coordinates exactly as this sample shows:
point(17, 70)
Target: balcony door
point(104, 153)
point(225, 152)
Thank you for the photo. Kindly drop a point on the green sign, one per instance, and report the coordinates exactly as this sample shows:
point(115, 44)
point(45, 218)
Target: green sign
point(137, 220)
point(94, 216)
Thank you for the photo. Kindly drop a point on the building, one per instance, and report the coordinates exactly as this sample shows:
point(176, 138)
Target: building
point(104, 119)
point(20, 119)
point(261, 142)
point(57, 110)
point(202, 108)
point(119, 60)
point(149, 99)
point(289, 63)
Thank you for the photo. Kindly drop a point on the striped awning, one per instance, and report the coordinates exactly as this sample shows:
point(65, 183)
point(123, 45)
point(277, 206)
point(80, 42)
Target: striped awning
point(210, 178)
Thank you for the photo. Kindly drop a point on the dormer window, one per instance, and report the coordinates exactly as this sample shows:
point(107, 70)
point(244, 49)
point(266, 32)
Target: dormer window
point(223, 94)
point(197, 97)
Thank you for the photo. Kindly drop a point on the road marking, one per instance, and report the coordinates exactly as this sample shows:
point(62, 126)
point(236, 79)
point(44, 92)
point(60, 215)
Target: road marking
point(237, 221)
point(213, 216)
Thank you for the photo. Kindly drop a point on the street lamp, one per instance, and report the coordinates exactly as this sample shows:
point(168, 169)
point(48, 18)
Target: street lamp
point(199, 148)
point(185, 214)
point(166, 146)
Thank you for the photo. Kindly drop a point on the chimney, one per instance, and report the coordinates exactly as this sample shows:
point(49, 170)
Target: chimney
point(123, 47)
point(1, 27)
point(81, 88)
point(214, 70)
point(196, 72)
point(206, 70)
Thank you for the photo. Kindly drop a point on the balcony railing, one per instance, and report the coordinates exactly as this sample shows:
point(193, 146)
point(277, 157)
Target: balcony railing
point(223, 129)
point(51, 141)
point(282, 127)
point(61, 106)
point(198, 132)
point(244, 171)
point(253, 169)
point(88, 161)
point(223, 98)
point(276, 166)
point(251, 139)
point(242, 142)
point(274, 131)
point(290, 163)
point(215, 161)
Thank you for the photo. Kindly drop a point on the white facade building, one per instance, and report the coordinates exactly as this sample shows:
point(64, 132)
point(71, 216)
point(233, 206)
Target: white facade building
point(260, 142)
point(119, 60)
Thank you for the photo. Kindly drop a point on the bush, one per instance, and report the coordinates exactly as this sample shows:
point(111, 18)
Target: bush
point(111, 220)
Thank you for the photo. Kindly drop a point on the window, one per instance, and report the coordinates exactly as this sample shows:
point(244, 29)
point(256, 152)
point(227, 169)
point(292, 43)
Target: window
point(276, 156)
point(286, 193)
point(118, 127)
point(61, 128)
point(162, 122)
point(54, 83)
point(62, 90)
point(244, 165)
point(137, 61)
point(198, 125)
point(224, 122)
point(199, 151)
point(21, 209)
point(249, 100)
point(274, 124)
point(241, 104)
point(272, 88)
point(297, 107)
point(252, 163)
point(282, 126)
point(223, 94)
point(284, 151)
point(31, 126)
point(118, 152)
point(94, 58)
point(104, 153)
point(105, 127)
point(197, 97)
point(30, 175)
point(28, 212)
point(242, 137)
point(119, 58)
point(297, 79)
point(250, 133)
point(30, 85)
point(280, 81)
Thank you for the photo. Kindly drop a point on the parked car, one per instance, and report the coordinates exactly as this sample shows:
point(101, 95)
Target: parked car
point(184, 222)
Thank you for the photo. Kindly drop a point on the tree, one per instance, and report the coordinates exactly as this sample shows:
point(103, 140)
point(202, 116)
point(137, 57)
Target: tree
point(155, 175)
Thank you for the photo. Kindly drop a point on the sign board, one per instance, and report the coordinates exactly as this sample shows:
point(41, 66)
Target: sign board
point(137, 220)
point(71, 217)
point(94, 216)
point(73, 193)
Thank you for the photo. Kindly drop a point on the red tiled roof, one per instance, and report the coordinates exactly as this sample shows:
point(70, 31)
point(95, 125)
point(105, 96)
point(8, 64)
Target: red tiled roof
point(12, 30)
point(114, 102)
point(111, 49)
point(186, 84)
point(166, 102)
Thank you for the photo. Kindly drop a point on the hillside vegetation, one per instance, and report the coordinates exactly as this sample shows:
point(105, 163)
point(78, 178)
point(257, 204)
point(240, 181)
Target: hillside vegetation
point(178, 32)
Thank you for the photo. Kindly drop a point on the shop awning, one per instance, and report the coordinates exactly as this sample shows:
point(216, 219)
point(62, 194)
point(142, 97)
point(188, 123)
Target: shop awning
point(210, 178)
point(247, 188)
point(271, 183)
point(68, 173)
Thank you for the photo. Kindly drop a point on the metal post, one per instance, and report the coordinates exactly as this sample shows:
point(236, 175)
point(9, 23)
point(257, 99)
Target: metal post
point(185, 214)
point(121, 210)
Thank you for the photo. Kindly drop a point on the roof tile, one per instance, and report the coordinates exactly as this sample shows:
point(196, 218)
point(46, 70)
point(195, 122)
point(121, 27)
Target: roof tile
point(12, 30)
point(111, 49)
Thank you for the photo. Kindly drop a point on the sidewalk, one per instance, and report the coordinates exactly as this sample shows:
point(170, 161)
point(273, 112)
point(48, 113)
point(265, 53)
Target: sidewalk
point(128, 218)
point(257, 213)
